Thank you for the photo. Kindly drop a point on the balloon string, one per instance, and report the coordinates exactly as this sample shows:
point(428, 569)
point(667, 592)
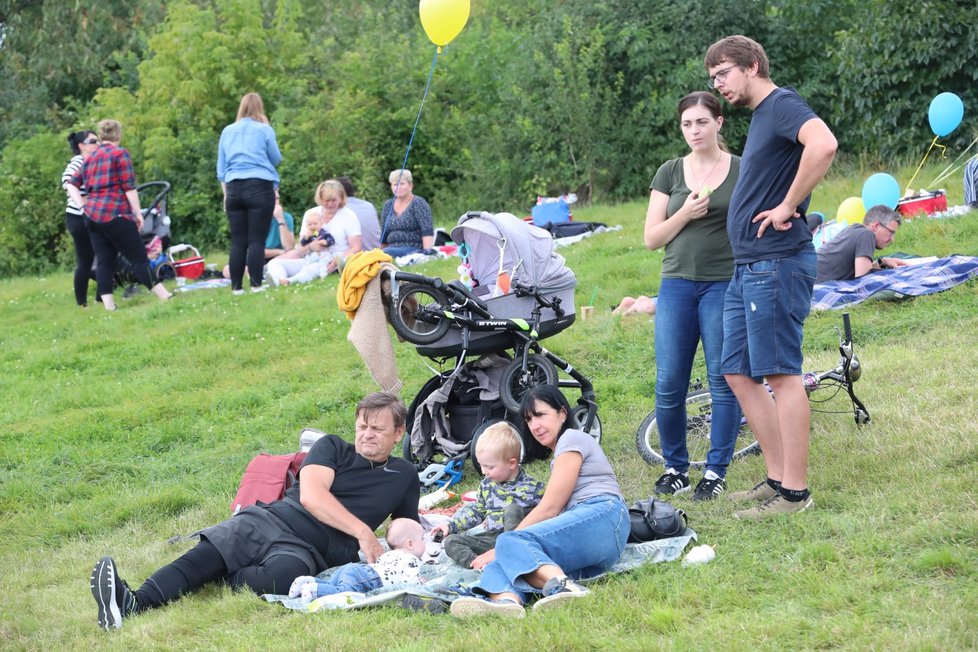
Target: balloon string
point(948, 171)
point(910, 184)
point(427, 87)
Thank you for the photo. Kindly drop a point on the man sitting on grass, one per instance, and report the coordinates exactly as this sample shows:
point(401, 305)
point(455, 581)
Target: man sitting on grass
point(345, 491)
point(849, 255)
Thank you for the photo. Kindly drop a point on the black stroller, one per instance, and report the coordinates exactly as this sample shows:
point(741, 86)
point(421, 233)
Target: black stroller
point(163, 262)
point(521, 292)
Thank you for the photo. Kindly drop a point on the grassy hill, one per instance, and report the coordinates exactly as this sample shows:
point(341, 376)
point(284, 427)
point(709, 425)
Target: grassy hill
point(118, 431)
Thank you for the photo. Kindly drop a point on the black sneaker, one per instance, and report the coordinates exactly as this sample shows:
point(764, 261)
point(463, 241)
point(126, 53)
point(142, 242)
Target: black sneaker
point(708, 489)
point(114, 597)
point(672, 483)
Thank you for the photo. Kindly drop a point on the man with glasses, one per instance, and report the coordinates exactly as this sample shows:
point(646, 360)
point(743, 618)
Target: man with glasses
point(788, 151)
point(849, 255)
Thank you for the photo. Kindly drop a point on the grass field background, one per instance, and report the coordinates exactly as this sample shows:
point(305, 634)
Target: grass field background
point(118, 431)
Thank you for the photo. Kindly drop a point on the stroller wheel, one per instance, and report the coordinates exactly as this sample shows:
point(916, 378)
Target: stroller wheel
point(417, 314)
point(517, 381)
point(579, 419)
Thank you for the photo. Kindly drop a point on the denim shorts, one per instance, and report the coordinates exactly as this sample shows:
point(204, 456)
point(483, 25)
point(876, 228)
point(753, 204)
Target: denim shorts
point(764, 315)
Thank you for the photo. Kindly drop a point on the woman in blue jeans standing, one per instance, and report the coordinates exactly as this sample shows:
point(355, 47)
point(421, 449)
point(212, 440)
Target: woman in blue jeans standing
point(578, 530)
point(247, 156)
point(687, 215)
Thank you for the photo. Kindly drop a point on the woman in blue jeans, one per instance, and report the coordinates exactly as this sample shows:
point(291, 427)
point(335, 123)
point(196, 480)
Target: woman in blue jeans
point(687, 215)
point(578, 530)
point(247, 156)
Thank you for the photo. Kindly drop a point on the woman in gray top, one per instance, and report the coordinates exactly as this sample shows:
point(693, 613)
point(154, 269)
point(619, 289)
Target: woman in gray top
point(578, 530)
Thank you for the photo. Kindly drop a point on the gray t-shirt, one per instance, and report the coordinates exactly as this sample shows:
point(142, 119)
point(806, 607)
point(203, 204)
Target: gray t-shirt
point(596, 478)
point(837, 257)
point(369, 223)
point(701, 251)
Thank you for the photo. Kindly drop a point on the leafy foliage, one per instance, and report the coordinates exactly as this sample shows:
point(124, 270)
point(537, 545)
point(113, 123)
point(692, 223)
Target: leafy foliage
point(532, 98)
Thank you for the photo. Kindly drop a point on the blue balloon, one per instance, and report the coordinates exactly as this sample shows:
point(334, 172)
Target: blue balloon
point(881, 188)
point(945, 113)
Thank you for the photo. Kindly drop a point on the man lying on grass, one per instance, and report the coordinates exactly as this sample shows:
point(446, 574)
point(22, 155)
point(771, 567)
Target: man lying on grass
point(345, 491)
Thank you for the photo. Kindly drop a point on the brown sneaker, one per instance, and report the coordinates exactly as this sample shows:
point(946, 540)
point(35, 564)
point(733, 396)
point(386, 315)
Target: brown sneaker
point(773, 506)
point(760, 492)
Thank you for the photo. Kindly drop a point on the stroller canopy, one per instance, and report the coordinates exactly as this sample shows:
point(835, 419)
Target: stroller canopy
point(528, 249)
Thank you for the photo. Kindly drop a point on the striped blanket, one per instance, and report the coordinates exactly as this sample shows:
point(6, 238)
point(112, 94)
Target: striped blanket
point(911, 281)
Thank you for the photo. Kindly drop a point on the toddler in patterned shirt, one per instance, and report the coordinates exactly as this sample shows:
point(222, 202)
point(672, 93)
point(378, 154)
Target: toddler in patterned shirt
point(400, 565)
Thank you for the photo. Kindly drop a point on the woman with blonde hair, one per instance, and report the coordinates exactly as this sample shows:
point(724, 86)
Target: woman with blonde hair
point(406, 218)
point(247, 156)
point(330, 233)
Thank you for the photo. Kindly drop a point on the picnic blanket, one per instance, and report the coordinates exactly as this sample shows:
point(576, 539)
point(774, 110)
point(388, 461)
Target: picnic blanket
point(910, 281)
point(447, 581)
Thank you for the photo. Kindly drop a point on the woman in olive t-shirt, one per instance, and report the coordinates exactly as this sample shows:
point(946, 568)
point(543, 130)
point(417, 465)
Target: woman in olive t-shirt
point(687, 215)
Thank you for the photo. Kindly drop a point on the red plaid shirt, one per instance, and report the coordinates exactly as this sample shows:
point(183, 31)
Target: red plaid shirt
point(107, 175)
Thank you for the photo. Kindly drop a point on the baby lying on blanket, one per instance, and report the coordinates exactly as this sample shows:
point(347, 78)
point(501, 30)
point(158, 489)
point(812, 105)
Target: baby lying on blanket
point(401, 565)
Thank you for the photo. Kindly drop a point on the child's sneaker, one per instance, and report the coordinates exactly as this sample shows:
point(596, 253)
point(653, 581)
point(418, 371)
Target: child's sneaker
point(672, 483)
point(114, 598)
point(469, 607)
point(423, 604)
point(709, 488)
point(558, 589)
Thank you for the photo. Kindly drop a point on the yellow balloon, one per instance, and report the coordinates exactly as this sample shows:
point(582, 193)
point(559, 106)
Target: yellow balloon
point(851, 210)
point(443, 19)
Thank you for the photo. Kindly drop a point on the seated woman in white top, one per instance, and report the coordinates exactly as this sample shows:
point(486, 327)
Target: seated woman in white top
point(330, 233)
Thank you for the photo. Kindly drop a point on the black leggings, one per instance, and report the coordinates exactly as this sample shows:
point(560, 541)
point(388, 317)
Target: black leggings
point(203, 564)
point(84, 255)
point(120, 236)
point(249, 206)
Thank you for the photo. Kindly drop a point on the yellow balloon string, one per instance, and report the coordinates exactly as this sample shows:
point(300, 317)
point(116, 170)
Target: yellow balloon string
point(910, 184)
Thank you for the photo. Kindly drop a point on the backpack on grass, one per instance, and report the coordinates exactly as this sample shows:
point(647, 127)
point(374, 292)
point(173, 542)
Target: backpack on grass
point(266, 479)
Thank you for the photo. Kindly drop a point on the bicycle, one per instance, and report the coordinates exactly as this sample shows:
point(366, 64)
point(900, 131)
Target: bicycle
point(699, 415)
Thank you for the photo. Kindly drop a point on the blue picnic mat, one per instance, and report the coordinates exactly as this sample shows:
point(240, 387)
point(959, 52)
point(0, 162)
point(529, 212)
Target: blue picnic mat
point(910, 281)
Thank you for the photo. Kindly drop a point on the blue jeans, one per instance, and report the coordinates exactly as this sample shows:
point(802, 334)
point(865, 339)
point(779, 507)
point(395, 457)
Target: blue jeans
point(583, 541)
point(764, 315)
point(356, 576)
point(687, 312)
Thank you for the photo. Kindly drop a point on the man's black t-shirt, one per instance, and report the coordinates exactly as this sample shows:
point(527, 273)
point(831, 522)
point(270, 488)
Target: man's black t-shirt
point(369, 491)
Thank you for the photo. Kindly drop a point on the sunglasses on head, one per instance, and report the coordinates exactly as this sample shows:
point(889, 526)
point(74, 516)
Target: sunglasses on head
point(90, 141)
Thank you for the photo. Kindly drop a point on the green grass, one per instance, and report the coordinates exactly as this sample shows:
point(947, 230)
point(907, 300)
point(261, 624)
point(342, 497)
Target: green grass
point(118, 431)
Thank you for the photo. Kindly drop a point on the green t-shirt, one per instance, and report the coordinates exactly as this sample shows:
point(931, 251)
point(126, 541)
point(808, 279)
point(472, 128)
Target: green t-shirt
point(701, 251)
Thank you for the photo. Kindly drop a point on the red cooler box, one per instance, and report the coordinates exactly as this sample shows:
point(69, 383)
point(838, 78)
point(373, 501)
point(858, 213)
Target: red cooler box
point(924, 202)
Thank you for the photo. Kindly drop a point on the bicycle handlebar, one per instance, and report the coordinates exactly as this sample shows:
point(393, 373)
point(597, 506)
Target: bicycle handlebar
point(846, 326)
point(420, 278)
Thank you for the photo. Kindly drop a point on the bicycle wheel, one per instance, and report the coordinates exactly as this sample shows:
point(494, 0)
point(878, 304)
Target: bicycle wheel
point(699, 416)
point(516, 381)
point(579, 416)
point(417, 316)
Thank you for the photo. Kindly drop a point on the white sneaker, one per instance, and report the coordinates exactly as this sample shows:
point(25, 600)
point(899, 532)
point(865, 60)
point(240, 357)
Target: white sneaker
point(471, 607)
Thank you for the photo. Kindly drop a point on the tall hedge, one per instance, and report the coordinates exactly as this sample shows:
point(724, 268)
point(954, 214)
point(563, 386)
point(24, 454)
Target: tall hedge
point(533, 97)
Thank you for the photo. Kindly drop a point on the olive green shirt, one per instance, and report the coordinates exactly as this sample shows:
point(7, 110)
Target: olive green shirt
point(701, 251)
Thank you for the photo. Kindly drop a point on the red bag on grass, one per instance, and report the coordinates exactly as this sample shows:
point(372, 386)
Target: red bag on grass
point(266, 479)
